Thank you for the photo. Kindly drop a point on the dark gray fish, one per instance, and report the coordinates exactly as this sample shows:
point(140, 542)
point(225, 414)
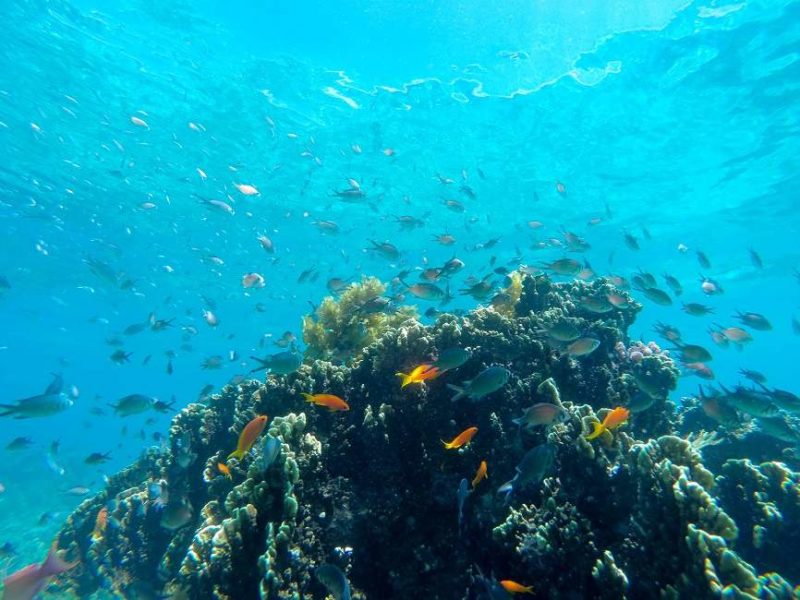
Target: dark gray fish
point(451, 358)
point(696, 309)
point(693, 353)
point(133, 404)
point(486, 382)
point(640, 401)
point(176, 515)
point(755, 258)
point(673, 284)
point(532, 469)
point(754, 376)
point(461, 495)
point(332, 578)
point(281, 363)
point(658, 296)
point(753, 320)
point(562, 331)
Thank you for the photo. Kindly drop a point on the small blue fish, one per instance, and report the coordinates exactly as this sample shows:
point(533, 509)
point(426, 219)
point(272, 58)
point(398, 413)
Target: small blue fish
point(53, 401)
point(270, 448)
point(463, 492)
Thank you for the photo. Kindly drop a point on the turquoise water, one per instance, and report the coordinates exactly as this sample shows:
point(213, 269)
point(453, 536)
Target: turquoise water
point(678, 118)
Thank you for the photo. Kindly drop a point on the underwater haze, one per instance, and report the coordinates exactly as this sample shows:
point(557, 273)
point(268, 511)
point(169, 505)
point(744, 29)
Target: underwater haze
point(579, 220)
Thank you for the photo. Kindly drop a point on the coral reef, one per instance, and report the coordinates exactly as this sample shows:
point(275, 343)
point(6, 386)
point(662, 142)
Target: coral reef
point(634, 513)
point(339, 329)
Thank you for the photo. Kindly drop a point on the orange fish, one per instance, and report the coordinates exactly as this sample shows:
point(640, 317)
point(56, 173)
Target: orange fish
point(331, 402)
point(480, 475)
point(512, 587)
point(462, 439)
point(100, 524)
point(249, 436)
point(223, 468)
point(613, 419)
point(421, 373)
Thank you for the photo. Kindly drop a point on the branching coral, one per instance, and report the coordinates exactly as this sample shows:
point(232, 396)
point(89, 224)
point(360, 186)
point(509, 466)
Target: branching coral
point(339, 329)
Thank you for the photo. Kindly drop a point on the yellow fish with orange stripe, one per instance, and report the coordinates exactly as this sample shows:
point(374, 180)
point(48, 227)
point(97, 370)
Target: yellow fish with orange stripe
point(462, 439)
point(249, 436)
point(612, 420)
point(329, 401)
point(512, 587)
point(481, 474)
point(419, 374)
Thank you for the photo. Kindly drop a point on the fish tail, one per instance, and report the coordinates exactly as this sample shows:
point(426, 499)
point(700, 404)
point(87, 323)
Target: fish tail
point(447, 445)
point(598, 429)
point(459, 392)
point(8, 410)
point(237, 454)
point(308, 397)
point(507, 488)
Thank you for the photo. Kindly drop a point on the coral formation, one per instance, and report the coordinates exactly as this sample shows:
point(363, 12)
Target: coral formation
point(634, 513)
point(339, 329)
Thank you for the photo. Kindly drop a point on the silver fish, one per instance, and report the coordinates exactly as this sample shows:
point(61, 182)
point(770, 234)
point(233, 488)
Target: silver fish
point(52, 402)
point(780, 429)
point(542, 413)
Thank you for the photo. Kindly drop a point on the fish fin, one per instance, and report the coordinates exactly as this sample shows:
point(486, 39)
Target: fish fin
point(55, 386)
point(598, 429)
point(54, 564)
point(406, 379)
point(237, 454)
point(8, 410)
point(520, 421)
point(308, 397)
point(459, 392)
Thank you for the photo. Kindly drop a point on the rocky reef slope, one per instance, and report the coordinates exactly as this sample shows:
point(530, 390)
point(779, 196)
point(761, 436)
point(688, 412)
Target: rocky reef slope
point(632, 514)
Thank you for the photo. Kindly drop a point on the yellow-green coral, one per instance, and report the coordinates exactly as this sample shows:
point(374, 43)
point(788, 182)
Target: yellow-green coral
point(510, 296)
point(341, 328)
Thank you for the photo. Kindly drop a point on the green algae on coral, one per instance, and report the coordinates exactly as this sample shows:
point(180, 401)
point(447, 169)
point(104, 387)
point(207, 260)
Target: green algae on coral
point(340, 328)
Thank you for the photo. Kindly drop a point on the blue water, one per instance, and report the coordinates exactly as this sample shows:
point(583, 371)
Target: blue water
point(677, 117)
